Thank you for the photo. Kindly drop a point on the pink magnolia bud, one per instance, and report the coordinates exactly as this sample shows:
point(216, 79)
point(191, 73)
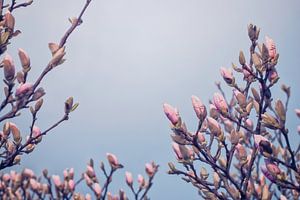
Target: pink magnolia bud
point(33, 184)
point(56, 180)
point(66, 174)
point(149, 169)
point(273, 75)
point(129, 179)
point(36, 131)
point(241, 152)
point(228, 125)
point(87, 179)
point(177, 151)
point(71, 185)
point(297, 111)
point(24, 58)
point(97, 189)
point(214, 126)
point(90, 171)
point(141, 181)
point(199, 108)
point(171, 113)
point(23, 89)
point(201, 138)
point(112, 159)
point(240, 97)
point(213, 112)
point(9, 68)
point(227, 75)
point(71, 173)
point(28, 173)
point(271, 47)
point(9, 21)
point(220, 103)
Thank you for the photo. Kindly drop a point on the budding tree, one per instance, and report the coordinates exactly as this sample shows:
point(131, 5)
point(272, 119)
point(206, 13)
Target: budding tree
point(241, 148)
point(25, 95)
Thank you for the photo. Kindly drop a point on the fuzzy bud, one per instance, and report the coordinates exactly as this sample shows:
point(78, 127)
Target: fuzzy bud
point(220, 103)
point(270, 44)
point(199, 108)
point(24, 58)
point(171, 113)
point(227, 75)
point(9, 68)
point(129, 179)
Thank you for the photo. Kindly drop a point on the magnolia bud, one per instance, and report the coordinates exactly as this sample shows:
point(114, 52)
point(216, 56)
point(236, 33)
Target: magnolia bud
point(280, 110)
point(9, 68)
point(214, 126)
point(141, 181)
point(129, 179)
point(23, 89)
point(112, 159)
point(257, 62)
point(171, 113)
point(270, 121)
point(271, 47)
point(227, 75)
point(71, 185)
point(240, 97)
point(242, 59)
point(24, 58)
point(97, 189)
point(57, 57)
point(199, 108)
point(220, 103)
point(56, 180)
point(15, 132)
point(9, 21)
point(149, 169)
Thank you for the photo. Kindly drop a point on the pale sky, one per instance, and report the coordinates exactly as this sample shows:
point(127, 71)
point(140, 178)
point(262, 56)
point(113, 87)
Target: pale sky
point(126, 60)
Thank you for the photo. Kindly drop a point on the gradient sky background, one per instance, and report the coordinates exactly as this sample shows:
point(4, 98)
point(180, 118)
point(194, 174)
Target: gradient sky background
point(126, 60)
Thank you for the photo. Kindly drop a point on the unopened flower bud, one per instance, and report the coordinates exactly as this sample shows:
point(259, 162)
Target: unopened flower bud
point(273, 76)
point(227, 75)
point(240, 97)
point(214, 126)
point(24, 58)
point(71, 185)
point(9, 21)
point(23, 89)
point(56, 180)
point(90, 171)
point(129, 179)
point(270, 121)
point(171, 113)
point(220, 103)
point(199, 108)
point(257, 62)
point(270, 44)
point(149, 169)
point(280, 110)
point(141, 181)
point(241, 152)
point(97, 188)
point(242, 59)
point(28, 173)
point(15, 132)
point(9, 68)
point(112, 159)
point(57, 57)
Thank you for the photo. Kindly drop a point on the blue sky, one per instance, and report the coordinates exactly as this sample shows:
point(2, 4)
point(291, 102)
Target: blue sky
point(131, 56)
